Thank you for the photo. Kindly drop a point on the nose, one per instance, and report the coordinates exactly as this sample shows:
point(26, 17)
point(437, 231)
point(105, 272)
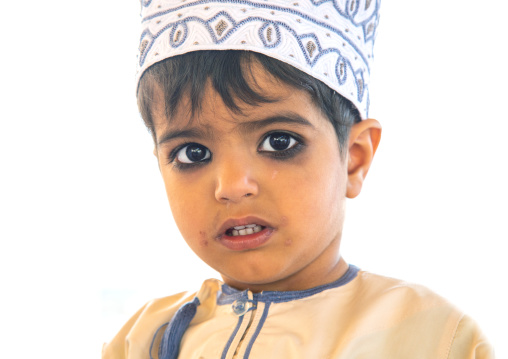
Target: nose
point(235, 180)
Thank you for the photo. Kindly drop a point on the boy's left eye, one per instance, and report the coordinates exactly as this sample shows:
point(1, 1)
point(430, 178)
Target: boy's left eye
point(278, 141)
point(193, 153)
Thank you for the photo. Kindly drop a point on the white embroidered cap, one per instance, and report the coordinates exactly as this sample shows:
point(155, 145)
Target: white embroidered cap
point(331, 40)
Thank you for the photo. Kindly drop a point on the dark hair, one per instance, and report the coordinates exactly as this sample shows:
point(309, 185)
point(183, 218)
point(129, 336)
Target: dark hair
point(187, 74)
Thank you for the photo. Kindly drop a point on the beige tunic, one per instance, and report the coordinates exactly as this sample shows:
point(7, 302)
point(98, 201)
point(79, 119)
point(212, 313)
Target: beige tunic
point(362, 315)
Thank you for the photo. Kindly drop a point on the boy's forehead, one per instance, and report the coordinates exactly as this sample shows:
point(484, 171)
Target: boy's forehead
point(216, 118)
point(282, 98)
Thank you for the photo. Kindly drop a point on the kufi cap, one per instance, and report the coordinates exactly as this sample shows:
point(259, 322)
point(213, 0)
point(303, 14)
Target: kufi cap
point(331, 40)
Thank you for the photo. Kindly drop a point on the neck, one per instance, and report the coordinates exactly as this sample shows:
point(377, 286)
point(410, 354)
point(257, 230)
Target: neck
point(304, 279)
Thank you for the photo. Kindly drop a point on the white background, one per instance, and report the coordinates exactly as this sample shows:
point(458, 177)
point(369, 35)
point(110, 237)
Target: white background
point(86, 233)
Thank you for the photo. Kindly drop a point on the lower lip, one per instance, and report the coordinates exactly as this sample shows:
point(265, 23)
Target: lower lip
point(248, 241)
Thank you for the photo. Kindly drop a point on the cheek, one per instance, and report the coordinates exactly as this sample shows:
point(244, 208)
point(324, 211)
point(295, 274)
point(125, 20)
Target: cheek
point(187, 202)
point(314, 193)
point(191, 219)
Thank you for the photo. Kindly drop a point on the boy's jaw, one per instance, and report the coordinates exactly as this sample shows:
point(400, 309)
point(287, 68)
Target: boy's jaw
point(253, 232)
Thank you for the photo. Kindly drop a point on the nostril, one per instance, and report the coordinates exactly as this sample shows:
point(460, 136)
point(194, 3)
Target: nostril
point(232, 199)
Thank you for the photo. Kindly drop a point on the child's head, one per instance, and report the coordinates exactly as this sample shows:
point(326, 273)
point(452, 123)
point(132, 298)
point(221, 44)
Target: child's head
point(257, 156)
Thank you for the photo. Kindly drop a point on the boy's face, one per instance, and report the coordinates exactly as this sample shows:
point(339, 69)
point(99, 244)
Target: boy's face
point(278, 167)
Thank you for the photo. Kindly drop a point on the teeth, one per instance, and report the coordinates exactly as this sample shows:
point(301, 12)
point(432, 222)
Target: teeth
point(247, 229)
point(246, 226)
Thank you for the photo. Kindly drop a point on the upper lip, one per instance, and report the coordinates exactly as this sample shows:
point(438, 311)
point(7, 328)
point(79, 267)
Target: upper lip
point(234, 222)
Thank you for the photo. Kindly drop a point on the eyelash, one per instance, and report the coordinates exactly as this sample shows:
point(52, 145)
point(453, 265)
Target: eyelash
point(172, 158)
point(276, 155)
point(282, 154)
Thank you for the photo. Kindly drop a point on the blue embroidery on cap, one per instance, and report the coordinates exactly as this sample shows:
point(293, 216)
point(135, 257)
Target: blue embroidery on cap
point(360, 84)
point(348, 11)
point(343, 13)
point(345, 28)
point(145, 44)
point(341, 69)
point(369, 29)
point(220, 26)
point(273, 7)
point(178, 34)
point(309, 43)
point(351, 7)
point(269, 34)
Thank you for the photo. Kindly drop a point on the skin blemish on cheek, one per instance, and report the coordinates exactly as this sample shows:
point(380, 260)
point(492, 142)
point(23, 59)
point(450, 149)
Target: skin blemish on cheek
point(203, 242)
point(288, 242)
point(283, 220)
point(274, 174)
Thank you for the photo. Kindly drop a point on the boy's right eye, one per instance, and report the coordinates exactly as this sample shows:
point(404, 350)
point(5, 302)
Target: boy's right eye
point(192, 153)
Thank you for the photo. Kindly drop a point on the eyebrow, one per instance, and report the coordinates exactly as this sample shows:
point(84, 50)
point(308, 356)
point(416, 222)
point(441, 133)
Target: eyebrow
point(184, 133)
point(290, 118)
point(250, 126)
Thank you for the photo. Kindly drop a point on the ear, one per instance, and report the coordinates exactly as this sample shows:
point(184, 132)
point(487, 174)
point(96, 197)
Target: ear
point(363, 141)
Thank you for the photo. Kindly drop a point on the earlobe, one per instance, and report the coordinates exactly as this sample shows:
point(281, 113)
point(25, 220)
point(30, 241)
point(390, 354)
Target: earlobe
point(363, 141)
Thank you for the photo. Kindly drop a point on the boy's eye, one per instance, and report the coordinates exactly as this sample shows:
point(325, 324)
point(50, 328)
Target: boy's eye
point(193, 153)
point(278, 141)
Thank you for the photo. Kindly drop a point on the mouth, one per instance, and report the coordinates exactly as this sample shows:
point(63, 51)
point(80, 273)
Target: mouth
point(244, 230)
point(244, 234)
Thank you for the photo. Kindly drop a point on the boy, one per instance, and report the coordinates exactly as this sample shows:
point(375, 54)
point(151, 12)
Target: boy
point(258, 110)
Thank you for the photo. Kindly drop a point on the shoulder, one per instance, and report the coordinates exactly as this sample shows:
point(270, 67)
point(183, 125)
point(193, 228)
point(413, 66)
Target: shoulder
point(137, 332)
point(135, 337)
point(415, 313)
point(470, 342)
point(381, 288)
